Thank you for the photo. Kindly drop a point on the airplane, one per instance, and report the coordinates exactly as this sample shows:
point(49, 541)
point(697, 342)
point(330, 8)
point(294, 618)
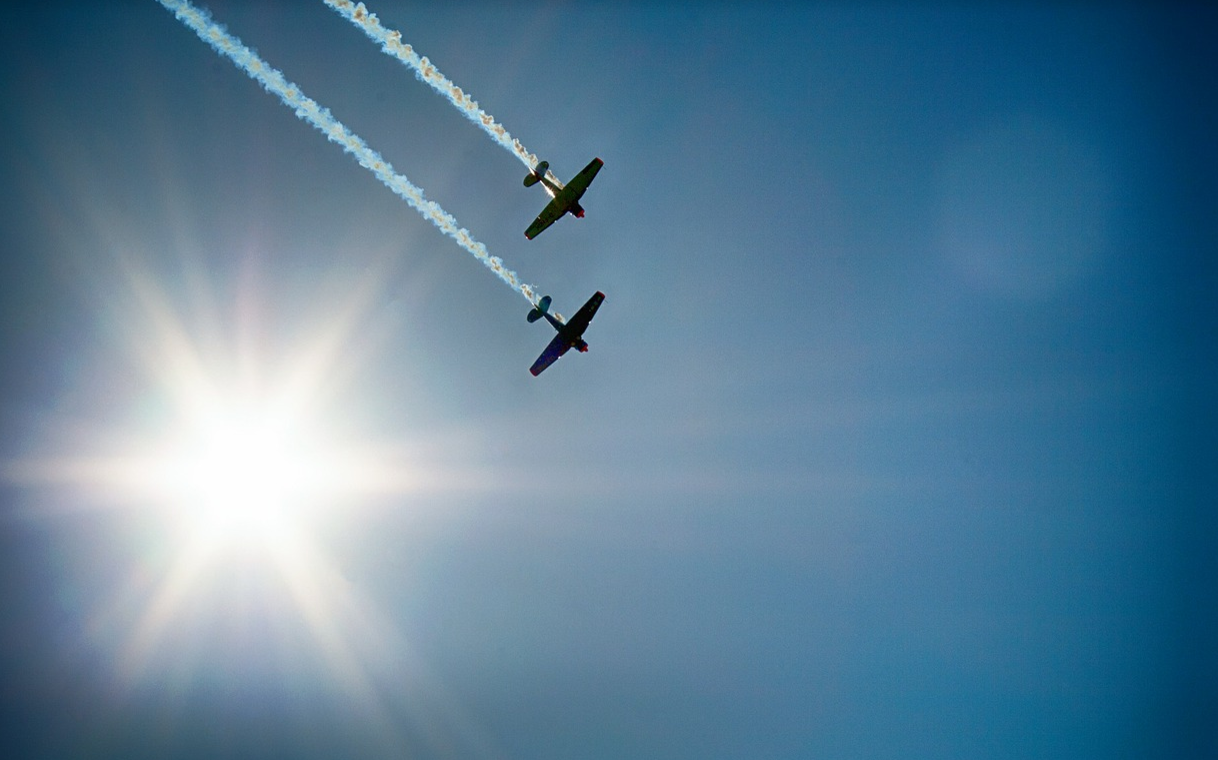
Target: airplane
point(565, 197)
point(570, 335)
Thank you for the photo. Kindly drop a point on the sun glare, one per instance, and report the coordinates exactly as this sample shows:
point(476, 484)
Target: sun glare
point(242, 474)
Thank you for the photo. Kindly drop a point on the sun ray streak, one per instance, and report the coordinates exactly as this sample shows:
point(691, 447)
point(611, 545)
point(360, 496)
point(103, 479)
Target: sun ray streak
point(308, 109)
point(426, 71)
point(166, 603)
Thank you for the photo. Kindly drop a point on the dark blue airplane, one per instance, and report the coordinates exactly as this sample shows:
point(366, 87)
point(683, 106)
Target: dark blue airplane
point(570, 334)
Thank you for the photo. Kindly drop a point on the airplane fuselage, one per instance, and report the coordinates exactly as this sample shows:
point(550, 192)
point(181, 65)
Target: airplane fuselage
point(555, 189)
point(575, 341)
point(552, 188)
point(568, 200)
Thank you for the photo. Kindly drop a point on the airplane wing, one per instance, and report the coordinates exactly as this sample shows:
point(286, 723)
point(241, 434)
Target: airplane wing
point(557, 348)
point(578, 323)
point(577, 186)
point(550, 214)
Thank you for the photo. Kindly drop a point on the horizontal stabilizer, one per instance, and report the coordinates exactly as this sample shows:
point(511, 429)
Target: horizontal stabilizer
point(542, 307)
point(533, 177)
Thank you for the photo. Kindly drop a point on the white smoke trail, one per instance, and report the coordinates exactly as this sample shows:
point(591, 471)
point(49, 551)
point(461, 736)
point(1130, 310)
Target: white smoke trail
point(391, 43)
point(308, 109)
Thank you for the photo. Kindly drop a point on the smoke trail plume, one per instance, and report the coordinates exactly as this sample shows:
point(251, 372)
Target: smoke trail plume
point(391, 43)
point(308, 109)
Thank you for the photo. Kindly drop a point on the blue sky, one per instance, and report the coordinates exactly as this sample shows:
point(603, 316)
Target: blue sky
point(893, 439)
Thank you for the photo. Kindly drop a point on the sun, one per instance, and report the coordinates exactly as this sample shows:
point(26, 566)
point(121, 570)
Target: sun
point(243, 472)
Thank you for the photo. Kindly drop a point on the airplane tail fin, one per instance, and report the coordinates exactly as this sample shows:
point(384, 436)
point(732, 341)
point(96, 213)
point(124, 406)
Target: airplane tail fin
point(533, 177)
point(542, 307)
